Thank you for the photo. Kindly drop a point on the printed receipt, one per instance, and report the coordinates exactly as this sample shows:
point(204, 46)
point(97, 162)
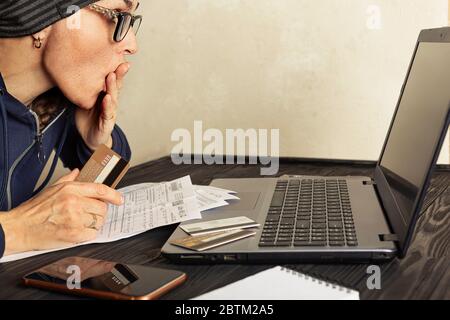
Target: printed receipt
point(147, 206)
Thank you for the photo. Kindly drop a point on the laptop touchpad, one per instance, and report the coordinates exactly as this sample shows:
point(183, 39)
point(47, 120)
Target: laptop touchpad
point(248, 201)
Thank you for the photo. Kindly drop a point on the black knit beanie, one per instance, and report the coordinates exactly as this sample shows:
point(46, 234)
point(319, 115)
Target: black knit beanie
point(25, 17)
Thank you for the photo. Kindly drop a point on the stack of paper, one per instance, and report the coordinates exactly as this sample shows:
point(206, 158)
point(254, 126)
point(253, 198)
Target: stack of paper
point(148, 206)
point(211, 197)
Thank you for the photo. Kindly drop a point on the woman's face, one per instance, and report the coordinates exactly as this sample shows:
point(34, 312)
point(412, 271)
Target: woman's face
point(78, 59)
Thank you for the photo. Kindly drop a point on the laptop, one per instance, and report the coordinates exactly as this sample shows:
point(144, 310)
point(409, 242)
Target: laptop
point(352, 219)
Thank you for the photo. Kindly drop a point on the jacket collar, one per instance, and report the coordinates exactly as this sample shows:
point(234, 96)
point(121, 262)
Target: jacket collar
point(12, 105)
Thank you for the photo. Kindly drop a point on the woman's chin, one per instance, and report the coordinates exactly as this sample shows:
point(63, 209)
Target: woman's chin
point(88, 104)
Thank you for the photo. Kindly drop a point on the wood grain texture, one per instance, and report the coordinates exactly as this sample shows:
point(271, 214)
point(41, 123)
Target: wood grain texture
point(422, 274)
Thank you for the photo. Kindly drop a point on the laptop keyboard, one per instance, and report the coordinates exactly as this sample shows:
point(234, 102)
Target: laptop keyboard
point(309, 212)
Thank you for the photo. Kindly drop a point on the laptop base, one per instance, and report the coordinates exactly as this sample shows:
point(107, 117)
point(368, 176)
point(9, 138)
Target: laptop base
point(255, 199)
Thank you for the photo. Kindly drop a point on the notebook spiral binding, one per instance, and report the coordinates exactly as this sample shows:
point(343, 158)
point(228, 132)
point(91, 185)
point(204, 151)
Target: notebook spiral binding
point(314, 279)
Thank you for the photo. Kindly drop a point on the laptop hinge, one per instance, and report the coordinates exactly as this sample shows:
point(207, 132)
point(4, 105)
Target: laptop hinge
point(388, 237)
point(370, 182)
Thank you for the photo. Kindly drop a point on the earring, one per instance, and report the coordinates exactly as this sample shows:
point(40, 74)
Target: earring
point(37, 43)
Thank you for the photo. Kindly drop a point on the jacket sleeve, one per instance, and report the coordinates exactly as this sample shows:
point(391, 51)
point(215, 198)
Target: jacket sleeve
point(2, 241)
point(75, 153)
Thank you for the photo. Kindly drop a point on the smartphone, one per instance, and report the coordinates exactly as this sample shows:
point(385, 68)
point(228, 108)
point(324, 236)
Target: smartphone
point(105, 279)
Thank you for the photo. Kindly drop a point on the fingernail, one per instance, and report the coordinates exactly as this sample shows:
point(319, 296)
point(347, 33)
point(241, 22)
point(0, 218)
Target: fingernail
point(122, 200)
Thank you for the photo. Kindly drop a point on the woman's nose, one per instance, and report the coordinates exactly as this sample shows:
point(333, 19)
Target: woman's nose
point(130, 43)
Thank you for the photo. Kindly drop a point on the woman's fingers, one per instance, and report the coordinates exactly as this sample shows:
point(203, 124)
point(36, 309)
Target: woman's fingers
point(108, 110)
point(69, 177)
point(95, 213)
point(52, 190)
point(93, 221)
point(98, 191)
point(121, 71)
point(111, 86)
point(95, 206)
point(110, 102)
point(73, 193)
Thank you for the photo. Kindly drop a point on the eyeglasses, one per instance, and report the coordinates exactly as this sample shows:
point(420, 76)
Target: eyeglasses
point(124, 21)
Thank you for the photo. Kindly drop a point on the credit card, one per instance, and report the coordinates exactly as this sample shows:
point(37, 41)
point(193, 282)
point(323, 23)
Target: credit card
point(219, 225)
point(212, 240)
point(105, 166)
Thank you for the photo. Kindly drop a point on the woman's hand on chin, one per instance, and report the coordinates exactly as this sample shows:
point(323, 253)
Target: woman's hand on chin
point(96, 125)
point(64, 214)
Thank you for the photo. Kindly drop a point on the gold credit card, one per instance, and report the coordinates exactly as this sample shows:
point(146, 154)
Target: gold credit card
point(212, 240)
point(105, 166)
point(204, 227)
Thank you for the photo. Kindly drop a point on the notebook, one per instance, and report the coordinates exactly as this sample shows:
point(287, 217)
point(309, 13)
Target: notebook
point(279, 283)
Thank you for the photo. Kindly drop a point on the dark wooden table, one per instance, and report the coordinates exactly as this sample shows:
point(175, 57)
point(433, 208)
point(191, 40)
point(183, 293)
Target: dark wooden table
point(423, 274)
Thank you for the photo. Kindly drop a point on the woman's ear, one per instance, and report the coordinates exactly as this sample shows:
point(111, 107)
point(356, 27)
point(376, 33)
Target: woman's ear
point(40, 38)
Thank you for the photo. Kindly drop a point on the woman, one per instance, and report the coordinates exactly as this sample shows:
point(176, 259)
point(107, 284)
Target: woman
point(62, 64)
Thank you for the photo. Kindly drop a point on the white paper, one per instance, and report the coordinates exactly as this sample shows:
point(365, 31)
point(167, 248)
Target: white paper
point(280, 284)
point(148, 206)
point(214, 189)
point(210, 197)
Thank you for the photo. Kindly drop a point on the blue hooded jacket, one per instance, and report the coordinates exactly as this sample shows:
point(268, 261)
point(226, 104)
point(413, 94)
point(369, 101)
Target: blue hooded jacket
point(24, 150)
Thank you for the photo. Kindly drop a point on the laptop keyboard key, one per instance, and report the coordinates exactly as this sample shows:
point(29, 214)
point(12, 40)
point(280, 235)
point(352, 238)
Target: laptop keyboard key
point(267, 240)
point(336, 239)
point(271, 236)
point(267, 244)
point(335, 224)
point(287, 221)
point(301, 239)
point(283, 243)
point(277, 199)
point(319, 234)
point(318, 243)
point(301, 243)
point(302, 224)
point(286, 235)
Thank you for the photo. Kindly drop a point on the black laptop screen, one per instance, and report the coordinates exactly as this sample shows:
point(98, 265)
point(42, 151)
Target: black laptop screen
point(418, 125)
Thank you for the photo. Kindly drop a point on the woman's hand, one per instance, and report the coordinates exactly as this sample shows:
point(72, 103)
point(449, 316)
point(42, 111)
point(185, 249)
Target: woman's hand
point(64, 214)
point(96, 125)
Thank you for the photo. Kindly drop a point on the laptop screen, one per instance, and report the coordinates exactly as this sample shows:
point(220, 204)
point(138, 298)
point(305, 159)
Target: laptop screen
point(417, 129)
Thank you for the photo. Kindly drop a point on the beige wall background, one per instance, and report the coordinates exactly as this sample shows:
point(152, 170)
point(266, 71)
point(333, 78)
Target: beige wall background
point(317, 70)
point(326, 73)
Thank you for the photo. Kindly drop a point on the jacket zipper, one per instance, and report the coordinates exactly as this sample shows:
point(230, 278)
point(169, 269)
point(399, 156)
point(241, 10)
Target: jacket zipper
point(38, 138)
point(41, 155)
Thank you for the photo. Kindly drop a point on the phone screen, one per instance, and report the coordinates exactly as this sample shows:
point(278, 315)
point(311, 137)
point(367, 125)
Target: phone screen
point(104, 278)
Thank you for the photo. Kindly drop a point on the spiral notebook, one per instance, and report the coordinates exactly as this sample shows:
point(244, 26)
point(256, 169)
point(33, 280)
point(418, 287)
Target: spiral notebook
point(279, 283)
